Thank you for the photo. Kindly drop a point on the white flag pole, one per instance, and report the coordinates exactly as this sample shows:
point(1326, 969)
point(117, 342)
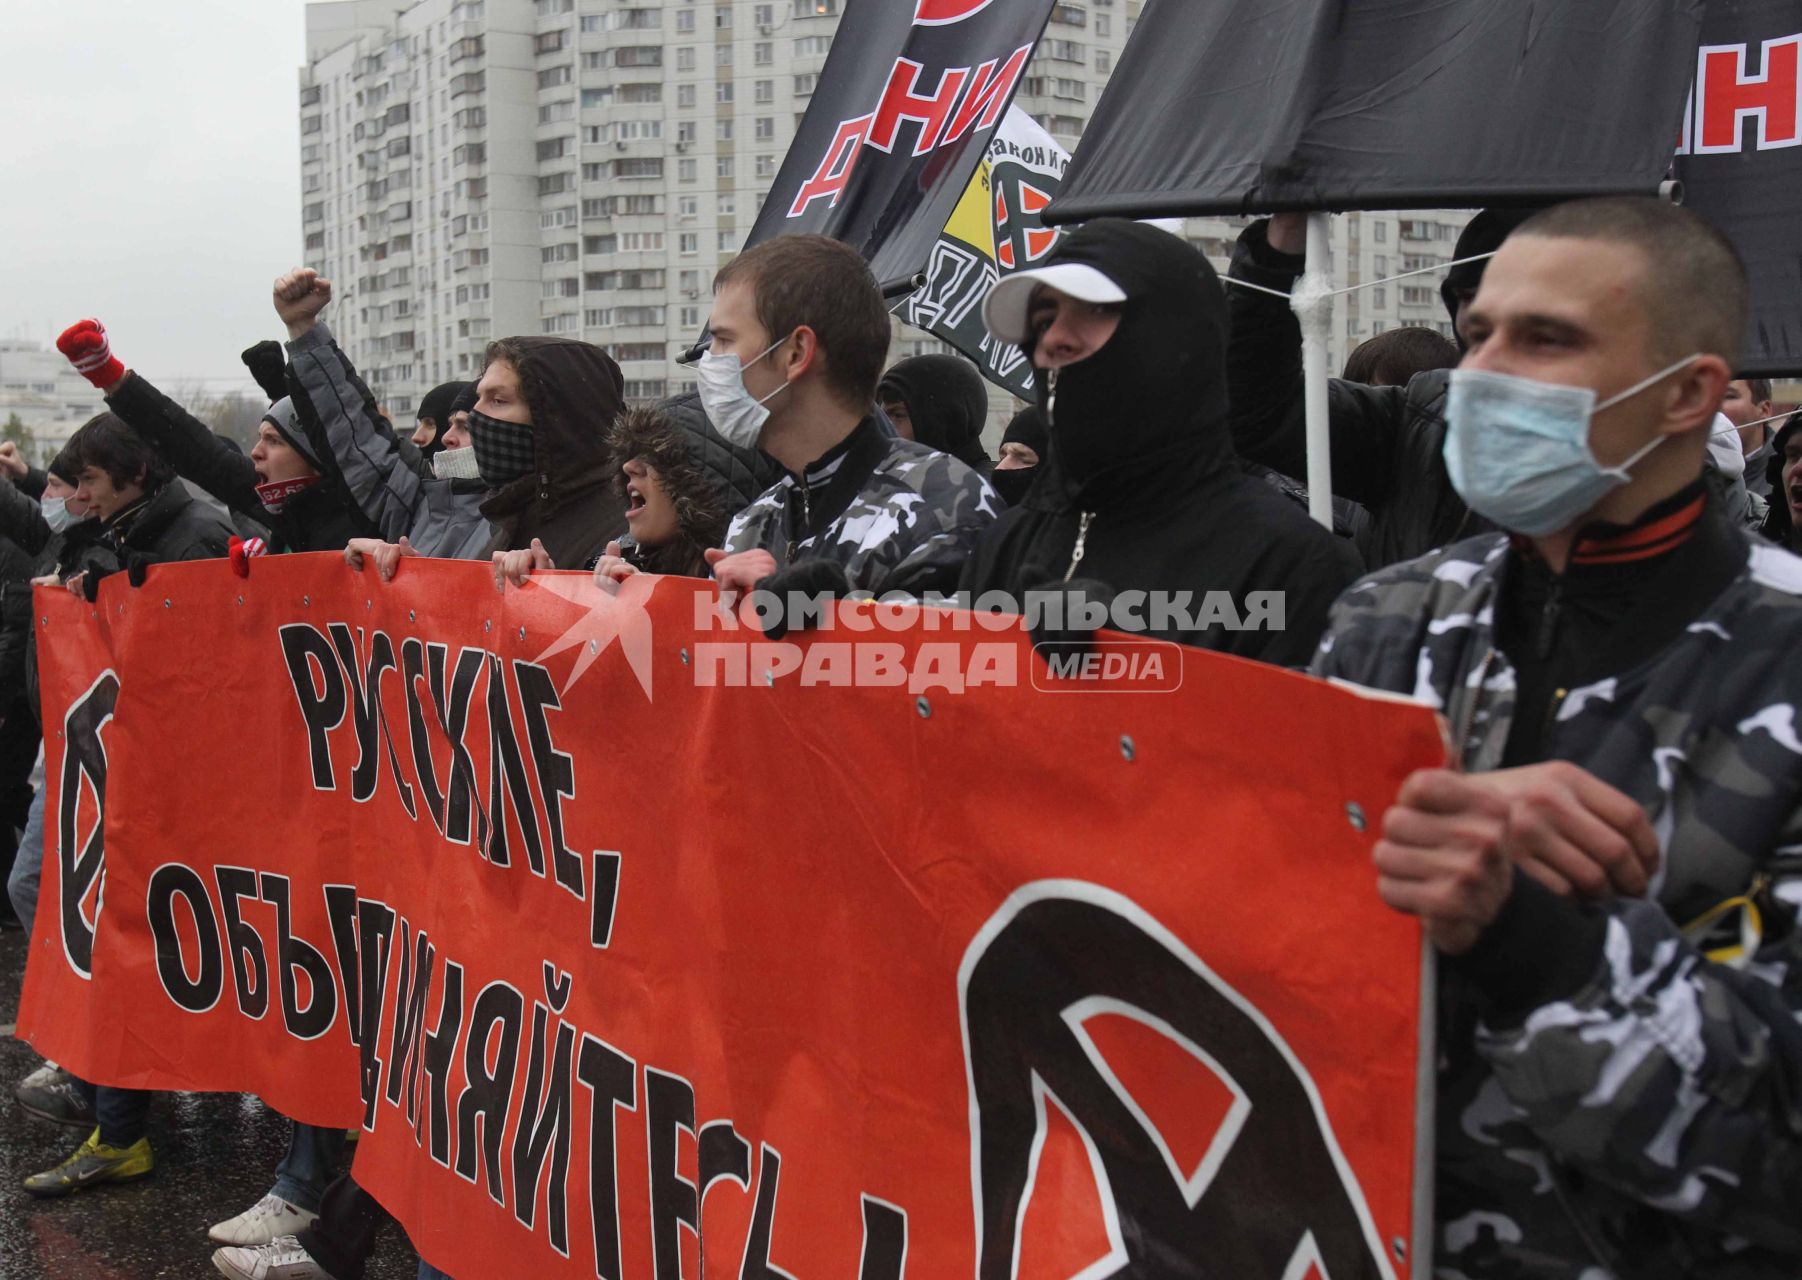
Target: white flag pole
point(1311, 300)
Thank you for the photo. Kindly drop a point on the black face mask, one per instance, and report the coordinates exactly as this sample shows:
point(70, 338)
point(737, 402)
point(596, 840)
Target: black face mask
point(1012, 484)
point(504, 450)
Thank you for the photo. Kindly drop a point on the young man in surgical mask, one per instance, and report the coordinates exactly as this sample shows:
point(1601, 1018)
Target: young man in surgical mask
point(798, 340)
point(1610, 871)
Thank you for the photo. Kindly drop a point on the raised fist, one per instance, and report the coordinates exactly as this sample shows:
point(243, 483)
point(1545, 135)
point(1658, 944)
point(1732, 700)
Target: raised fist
point(300, 296)
point(85, 345)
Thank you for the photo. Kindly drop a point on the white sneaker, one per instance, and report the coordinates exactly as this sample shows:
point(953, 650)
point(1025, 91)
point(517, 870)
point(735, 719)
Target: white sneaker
point(281, 1259)
point(268, 1218)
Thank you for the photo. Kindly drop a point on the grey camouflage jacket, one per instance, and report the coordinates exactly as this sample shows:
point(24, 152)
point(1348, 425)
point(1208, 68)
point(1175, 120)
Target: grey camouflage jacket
point(1650, 1124)
point(896, 515)
point(439, 517)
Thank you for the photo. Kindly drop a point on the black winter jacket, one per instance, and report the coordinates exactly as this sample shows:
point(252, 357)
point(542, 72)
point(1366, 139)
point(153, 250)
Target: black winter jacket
point(1388, 442)
point(1143, 471)
point(167, 526)
point(319, 519)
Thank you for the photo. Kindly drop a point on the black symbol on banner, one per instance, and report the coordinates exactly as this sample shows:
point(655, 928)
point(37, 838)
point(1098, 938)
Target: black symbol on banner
point(1270, 1196)
point(81, 857)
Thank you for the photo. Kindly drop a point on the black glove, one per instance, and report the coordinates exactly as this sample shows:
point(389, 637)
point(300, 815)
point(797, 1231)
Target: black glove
point(268, 364)
point(1063, 603)
point(805, 578)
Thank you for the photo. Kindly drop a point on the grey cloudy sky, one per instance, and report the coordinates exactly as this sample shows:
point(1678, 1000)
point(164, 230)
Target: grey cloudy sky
point(152, 174)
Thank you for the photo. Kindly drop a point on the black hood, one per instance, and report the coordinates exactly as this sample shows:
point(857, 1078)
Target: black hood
point(1482, 234)
point(1155, 395)
point(947, 401)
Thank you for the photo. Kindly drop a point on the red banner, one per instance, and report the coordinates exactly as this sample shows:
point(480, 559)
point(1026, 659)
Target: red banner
point(642, 946)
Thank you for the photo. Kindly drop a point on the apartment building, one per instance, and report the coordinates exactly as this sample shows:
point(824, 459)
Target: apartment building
point(41, 389)
point(477, 168)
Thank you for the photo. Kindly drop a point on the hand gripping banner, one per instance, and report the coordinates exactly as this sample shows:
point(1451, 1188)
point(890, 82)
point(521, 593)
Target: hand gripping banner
point(641, 946)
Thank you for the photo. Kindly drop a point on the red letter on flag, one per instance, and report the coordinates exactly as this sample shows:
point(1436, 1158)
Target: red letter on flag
point(989, 92)
point(900, 102)
point(1728, 94)
point(834, 172)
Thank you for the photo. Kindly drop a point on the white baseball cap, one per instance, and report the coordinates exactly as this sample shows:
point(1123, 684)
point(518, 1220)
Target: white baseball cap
point(1005, 309)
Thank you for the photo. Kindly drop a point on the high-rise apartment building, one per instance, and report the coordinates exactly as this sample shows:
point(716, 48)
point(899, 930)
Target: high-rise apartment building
point(477, 168)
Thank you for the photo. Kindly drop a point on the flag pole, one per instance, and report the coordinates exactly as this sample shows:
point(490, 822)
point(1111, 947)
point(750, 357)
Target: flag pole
point(1311, 300)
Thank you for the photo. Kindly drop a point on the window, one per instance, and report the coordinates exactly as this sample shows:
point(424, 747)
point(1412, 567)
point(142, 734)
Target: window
point(590, 98)
point(550, 41)
point(689, 317)
point(722, 130)
point(593, 61)
point(565, 288)
point(685, 58)
point(639, 167)
point(810, 46)
point(1104, 25)
point(687, 206)
point(722, 91)
point(728, 204)
point(1379, 296)
point(548, 148)
point(1380, 232)
point(686, 171)
point(565, 217)
point(722, 55)
point(641, 94)
point(641, 55)
point(722, 18)
point(728, 241)
point(551, 184)
point(1104, 61)
point(765, 129)
point(591, 22)
point(689, 282)
point(1062, 50)
point(646, 388)
point(599, 244)
point(1070, 15)
point(641, 242)
point(805, 85)
point(685, 131)
point(685, 96)
point(551, 77)
point(723, 167)
point(548, 7)
point(764, 14)
point(1417, 296)
point(766, 166)
point(816, 8)
point(563, 323)
point(688, 243)
point(763, 53)
point(685, 19)
point(468, 82)
point(764, 91)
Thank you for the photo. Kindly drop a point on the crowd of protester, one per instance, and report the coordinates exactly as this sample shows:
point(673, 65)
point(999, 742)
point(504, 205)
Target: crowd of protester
point(1570, 532)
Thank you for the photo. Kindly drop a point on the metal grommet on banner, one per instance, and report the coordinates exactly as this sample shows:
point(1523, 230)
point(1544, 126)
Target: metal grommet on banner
point(487, 624)
point(1354, 814)
point(769, 677)
point(369, 604)
point(240, 599)
point(1401, 1249)
point(522, 633)
point(923, 707)
point(306, 602)
point(685, 657)
point(412, 615)
point(1128, 749)
point(594, 646)
point(168, 604)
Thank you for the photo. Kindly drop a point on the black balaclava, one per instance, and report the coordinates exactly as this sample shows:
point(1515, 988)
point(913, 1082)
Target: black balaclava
point(1156, 392)
point(65, 466)
point(1026, 427)
point(1482, 234)
point(437, 404)
point(947, 401)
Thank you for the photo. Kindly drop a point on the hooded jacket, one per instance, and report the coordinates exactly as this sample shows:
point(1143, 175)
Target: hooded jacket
point(384, 476)
point(1387, 442)
point(166, 525)
point(568, 500)
point(320, 518)
point(1142, 472)
point(438, 404)
point(1777, 526)
point(947, 402)
point(708, 478)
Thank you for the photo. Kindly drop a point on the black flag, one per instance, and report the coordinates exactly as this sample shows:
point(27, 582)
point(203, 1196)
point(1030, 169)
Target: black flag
point(1740, 160)
point(1229, 106)
point(903, 112)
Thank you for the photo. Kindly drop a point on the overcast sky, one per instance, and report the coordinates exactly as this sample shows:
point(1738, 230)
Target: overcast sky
point(152, 175)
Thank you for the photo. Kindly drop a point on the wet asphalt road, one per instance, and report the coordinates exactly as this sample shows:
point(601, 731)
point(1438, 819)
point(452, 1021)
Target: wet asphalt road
point(215, 1153)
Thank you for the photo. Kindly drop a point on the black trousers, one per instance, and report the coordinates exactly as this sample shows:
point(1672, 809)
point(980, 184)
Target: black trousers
point(344, 1237)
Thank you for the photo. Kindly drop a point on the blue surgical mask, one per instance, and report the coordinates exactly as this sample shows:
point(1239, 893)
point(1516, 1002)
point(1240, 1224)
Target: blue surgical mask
point(56, 513)
point(734, 412)
point(1517, 450)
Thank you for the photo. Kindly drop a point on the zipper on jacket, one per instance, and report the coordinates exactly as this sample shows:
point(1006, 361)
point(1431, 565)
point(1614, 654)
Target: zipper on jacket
point(1082, 538)
point(806, 520)
point(1549, 614)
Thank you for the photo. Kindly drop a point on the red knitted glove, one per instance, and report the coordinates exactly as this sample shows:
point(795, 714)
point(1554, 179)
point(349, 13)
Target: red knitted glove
point(85, 344)
point(240, 551)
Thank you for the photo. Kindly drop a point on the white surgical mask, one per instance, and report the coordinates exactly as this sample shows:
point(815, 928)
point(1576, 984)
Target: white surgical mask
point(1517, 449)
point(456, 464)
point(734, 412)
point(56, 513)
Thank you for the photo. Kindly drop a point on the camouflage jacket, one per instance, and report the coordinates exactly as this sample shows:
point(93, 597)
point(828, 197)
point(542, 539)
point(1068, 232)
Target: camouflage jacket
point(894, 514)
point(1645, 1120)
